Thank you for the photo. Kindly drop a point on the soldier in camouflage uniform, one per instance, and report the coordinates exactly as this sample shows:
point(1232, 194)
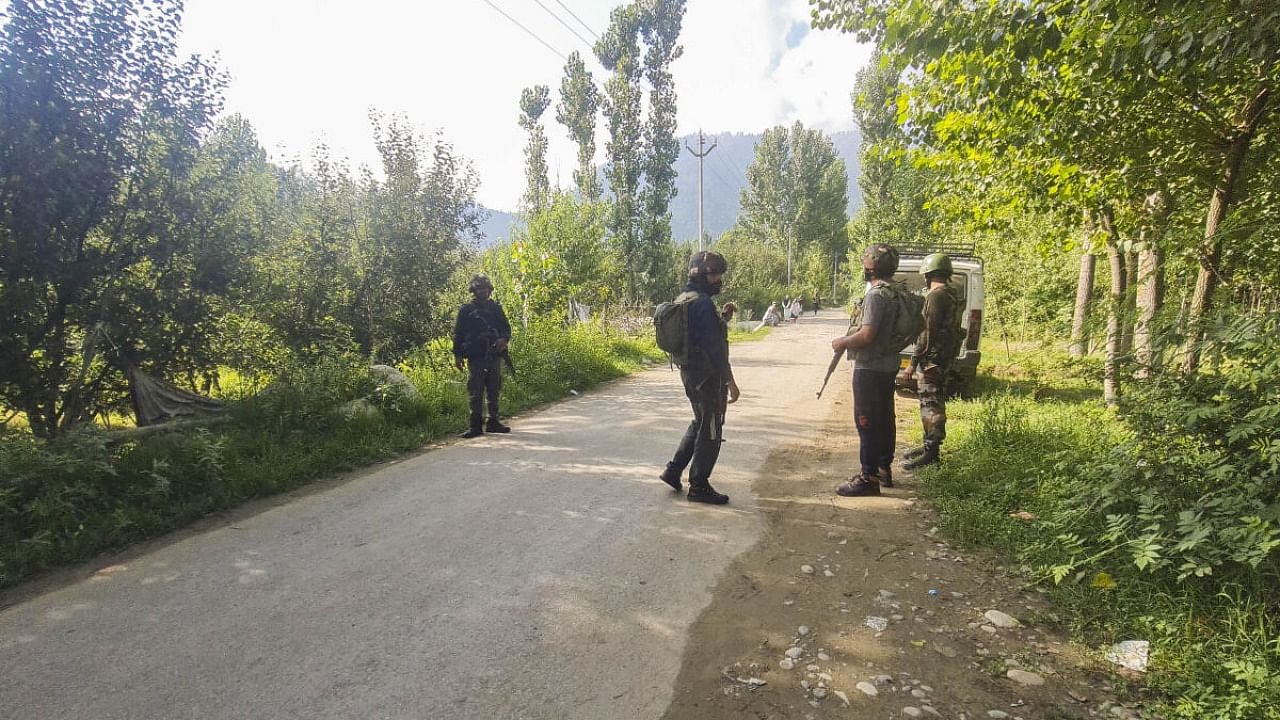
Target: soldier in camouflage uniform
point(936, 349)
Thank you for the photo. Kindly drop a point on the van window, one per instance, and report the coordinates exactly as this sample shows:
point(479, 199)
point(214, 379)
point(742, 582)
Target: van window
point(915, 282)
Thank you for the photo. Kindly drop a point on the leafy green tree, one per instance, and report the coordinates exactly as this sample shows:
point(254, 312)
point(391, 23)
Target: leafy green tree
point(796, 193)
point(561, 255)
point(99, 124)
point(660, 24)
point(618, 50)
point(533, 102)
point(579, 102)
point(1105, 100)
point(642, 150)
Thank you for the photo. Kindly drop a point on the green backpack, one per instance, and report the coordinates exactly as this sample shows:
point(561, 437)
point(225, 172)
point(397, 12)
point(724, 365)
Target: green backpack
point(671, 327)
point(908, 317)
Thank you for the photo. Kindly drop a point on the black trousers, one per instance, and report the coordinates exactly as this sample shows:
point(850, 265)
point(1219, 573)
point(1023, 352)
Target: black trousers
point(700, 446)
point(873, 414)
point(485, 378)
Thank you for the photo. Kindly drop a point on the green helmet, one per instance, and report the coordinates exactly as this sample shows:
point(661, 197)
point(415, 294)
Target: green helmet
point(883, 258)
point(936, 263)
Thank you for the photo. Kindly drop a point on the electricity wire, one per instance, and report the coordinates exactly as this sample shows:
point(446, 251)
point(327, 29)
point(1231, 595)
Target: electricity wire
point(575, 17)
point(522, 27)
point(566, 25)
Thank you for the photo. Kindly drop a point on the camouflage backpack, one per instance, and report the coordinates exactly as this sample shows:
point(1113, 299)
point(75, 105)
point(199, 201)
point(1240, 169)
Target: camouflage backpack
point(671, 327)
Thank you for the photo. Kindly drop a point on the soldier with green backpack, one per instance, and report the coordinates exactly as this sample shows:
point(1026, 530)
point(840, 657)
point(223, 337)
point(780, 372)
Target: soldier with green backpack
point(935, 349)
point(695, 336)
point(890, 321)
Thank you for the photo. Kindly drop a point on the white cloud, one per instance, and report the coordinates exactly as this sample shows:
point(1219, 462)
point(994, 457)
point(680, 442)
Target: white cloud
point(306, 71)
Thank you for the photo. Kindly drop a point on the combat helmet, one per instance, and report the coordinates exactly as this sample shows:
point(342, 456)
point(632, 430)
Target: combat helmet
point(707, 262)
point(939, 263)
point(478, 282)
point(884, 259)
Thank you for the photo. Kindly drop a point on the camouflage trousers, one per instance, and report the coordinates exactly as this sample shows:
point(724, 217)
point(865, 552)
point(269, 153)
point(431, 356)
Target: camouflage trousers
point(932, 389)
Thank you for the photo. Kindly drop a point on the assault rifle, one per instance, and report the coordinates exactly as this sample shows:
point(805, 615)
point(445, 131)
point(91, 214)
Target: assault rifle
point(854, 322)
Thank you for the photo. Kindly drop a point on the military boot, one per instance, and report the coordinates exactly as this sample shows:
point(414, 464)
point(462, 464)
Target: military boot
point(672, 478)
point(704, 493)
point(859, 486)
point(494, 426)
point(925, 459)
point(474, 431)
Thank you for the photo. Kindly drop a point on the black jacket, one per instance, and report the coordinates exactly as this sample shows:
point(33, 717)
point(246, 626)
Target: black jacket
point(480, 324)
point(708, 335)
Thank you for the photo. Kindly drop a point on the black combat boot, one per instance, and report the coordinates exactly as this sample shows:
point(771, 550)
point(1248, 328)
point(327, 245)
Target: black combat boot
point(859, 486)
point(704, 493)
point(926, 458)
point(672, 479)
point(913, 453)
point(494, 426)
point(475, 431)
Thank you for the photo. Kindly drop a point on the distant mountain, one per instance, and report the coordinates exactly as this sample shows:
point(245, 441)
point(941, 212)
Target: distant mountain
point(723, 178)
point(498, 227)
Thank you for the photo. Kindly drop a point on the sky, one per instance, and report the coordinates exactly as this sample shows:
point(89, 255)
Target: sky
point(306, 72)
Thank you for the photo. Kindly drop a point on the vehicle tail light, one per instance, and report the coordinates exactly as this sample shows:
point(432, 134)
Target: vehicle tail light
point(975, 329)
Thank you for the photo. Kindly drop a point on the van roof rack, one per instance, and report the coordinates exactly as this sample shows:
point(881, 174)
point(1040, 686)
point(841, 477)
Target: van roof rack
point(957, 250)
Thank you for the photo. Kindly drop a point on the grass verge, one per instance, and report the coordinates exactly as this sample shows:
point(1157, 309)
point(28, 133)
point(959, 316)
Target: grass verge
point(1038, 469)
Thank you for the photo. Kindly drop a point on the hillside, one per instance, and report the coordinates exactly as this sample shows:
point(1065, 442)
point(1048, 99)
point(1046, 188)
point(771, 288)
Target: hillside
point(724, 177)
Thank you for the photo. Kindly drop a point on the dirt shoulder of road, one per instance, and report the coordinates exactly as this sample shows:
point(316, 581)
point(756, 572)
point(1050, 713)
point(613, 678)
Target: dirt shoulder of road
point(794, 629)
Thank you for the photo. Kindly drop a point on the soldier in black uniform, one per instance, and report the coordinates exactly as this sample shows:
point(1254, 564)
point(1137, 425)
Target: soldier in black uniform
point(708, 382)
point(480, 337)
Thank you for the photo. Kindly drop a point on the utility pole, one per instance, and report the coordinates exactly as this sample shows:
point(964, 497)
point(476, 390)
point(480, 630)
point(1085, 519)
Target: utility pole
point(700, 154)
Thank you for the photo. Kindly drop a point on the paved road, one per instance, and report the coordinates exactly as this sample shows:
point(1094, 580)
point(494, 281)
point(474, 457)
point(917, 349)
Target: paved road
point(544, 574)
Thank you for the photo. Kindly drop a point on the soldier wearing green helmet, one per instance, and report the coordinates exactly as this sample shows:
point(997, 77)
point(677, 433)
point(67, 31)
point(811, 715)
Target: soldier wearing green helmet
point(936, 348)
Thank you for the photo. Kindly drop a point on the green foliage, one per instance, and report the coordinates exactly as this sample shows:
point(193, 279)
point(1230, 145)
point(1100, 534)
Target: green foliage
point(533, 102)
point(757, 272)
point(642, 150)
point(561, 255)
point(579, 102)
point(100, 196)
point(1158, 520)
point(796, 193)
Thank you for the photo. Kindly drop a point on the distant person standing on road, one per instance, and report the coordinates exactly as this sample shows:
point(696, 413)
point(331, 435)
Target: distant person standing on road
point(936, 348)
point(480, 337)
point(874, 367)
point(708, 382)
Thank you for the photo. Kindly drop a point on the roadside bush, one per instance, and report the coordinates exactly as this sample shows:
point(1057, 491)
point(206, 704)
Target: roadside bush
point(1158, 520)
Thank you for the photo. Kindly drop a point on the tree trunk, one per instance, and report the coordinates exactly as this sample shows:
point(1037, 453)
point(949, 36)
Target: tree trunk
point(1084, 293)
point(1150, 294)
point(1115, 311)
point(1130, 302)
point(1248, 120)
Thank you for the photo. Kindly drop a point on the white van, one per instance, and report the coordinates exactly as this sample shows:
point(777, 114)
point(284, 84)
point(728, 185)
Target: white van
point(967, 279)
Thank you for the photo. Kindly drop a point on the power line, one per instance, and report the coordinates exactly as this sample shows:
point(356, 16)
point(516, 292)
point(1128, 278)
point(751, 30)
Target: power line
point(565, 24)
point(531, 33)
point(575, 17)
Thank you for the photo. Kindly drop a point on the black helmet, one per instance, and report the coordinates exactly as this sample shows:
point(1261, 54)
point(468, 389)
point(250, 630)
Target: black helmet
point(707, 262)
point(478, 282)
point(884, 259)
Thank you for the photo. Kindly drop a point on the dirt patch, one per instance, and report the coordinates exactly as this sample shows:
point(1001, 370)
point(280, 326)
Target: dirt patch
point(830, 571)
